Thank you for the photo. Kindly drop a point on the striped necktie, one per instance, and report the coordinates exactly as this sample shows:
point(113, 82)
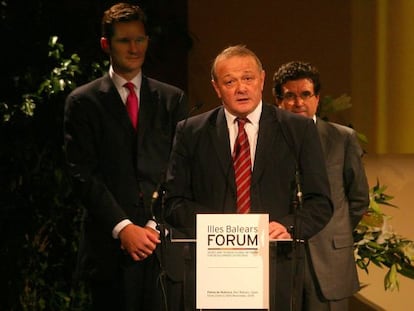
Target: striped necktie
point(242, 168)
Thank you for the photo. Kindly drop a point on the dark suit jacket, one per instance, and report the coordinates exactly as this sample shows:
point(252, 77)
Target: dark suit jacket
point(331, 250)
point(200, 178)
point(201, 175)
point(116, 170)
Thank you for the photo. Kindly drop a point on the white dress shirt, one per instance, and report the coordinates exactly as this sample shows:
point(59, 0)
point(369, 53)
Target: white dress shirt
point(251, 128)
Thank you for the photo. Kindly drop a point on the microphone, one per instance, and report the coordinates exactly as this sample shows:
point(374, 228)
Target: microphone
point(294, 230)
point(297, 201)
point(196, 107)
point(154, 199)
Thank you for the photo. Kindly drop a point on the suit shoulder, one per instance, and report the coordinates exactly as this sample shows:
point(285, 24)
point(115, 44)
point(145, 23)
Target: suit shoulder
point(92, 95)
point(87, 87)
point(292, 120)
point(201, 120)
point(154, 84)
point(284, 115)
point(342, 129)
point(89, 91)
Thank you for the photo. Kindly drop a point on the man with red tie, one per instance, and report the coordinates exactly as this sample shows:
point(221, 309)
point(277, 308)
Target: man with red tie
point(118, 136)
point(204, 175)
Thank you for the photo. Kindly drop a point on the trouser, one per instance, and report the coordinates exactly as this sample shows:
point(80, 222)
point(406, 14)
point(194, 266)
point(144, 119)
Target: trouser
point(136, 288)
point(312, 297)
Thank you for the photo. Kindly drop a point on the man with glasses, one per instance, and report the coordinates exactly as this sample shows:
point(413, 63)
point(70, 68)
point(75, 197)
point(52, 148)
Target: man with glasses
point(330, 272)
point(118, 133)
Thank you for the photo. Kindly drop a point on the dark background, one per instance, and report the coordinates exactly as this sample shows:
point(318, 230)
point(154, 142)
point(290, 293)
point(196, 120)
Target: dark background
point(27, 25)
point(39, 216)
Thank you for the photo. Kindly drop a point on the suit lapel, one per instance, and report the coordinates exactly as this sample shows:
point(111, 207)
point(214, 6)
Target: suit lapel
point(265, 140)
point(113, 103)
point(325, 138)
point(219, 135)
point(147, 108)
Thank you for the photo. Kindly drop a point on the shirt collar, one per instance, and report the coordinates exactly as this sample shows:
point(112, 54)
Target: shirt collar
point(120, 81)
point(253, 117)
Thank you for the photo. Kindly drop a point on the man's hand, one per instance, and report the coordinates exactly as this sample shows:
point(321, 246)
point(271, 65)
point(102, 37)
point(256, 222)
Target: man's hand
point(138, 242)
point(278, 231)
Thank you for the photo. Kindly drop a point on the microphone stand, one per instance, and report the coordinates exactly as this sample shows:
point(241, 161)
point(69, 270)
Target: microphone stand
point(297, 204)
point(162, 230)
point(161, 227)
point(163, 237)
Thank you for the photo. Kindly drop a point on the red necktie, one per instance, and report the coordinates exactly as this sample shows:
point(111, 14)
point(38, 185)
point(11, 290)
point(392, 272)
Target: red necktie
point(242, 168)
point(132, 104)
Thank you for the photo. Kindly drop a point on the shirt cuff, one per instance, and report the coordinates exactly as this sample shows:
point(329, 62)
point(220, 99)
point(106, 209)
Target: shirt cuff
point(153, 225)
point(118, 228)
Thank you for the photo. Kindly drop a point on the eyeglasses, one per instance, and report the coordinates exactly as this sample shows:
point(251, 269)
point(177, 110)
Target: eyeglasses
point(289, 96)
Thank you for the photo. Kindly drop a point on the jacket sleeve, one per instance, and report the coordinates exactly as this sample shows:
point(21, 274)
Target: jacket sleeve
point(355, 180)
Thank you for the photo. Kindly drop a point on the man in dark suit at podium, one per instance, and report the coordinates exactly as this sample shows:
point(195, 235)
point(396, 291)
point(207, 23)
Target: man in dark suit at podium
point(203, 174)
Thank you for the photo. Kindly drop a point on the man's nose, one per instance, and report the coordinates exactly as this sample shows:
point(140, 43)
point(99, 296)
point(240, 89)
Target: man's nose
point(298, 100)
point(133, 45)
point(240, 86)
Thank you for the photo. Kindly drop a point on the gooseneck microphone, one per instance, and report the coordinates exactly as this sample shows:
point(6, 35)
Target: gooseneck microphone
point(195, 108)
point(297, 204)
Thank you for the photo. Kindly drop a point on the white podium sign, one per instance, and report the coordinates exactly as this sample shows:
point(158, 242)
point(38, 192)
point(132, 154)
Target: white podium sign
point(232, 265)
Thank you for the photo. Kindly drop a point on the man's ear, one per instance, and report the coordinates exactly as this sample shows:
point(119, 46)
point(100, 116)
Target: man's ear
point(216, 88)
point(105, 44)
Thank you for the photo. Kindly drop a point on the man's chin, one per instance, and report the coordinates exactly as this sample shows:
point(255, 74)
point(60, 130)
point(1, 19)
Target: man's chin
point(302, 113)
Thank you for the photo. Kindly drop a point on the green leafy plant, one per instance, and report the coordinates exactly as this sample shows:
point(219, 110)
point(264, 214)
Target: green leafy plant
point(329, 105)
point(36, 193)
point(376, 242)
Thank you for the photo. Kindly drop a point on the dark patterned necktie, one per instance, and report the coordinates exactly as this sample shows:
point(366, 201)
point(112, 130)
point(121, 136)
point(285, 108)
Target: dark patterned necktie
point(132, 104)
point(242, 168)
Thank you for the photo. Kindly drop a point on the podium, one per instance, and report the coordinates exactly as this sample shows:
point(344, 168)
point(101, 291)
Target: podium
point(280, 261)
